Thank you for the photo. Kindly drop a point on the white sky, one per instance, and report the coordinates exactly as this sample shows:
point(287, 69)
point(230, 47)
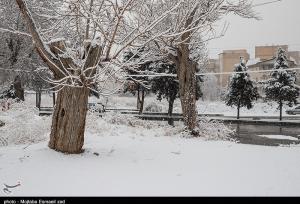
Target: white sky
point(280, 24)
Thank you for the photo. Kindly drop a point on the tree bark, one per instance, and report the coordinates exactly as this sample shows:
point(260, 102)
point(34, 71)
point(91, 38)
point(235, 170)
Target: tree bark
point(186, 72)
point(187, 91)
point(68, 122)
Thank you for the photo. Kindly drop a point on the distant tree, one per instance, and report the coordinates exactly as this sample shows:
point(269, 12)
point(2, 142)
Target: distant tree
point(19, 90)
point(137, 83)
point(281, 86)
point(17, 56)
point(189, 28)
point(168, 86)
point(242, 90)
point(15, 91)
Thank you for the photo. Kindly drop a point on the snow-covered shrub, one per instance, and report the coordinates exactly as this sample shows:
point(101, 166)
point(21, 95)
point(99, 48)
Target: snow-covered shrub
point(153, 107)
point(211, 130)
point(23, 125)
point(128, 120)
point(110, 120)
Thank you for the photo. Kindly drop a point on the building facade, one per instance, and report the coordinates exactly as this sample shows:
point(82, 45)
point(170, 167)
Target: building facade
point(268, 52)
point(264, 60)
point(295, 56)
point(228, 59)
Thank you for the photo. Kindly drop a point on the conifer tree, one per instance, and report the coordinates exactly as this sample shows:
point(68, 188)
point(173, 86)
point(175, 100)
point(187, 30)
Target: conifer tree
point(242, 90)
point(281, 86)
point(168, 86)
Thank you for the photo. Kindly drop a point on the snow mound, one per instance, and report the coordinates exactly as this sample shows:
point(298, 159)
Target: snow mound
point(117, 119)
point(214, 130)
point(23, 125)
point(211, 130)
point(113, 123)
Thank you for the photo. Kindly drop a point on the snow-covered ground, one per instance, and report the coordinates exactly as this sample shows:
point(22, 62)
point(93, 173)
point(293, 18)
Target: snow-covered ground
point(129, 157)
point(143, 163)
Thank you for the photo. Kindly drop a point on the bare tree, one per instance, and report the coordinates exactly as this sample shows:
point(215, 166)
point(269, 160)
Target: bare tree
point(17, 56)
point(82, 44)
point(97, 33)
point(189, 26)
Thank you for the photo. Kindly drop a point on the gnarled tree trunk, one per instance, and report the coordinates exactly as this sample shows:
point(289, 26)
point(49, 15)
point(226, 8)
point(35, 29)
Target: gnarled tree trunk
point(187, 92)
point(186, 72)
point(68, 122)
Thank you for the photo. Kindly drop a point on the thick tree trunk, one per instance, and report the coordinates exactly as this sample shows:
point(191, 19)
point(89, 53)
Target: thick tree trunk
point(187, 91)
point(170, 112)
point(68, 122)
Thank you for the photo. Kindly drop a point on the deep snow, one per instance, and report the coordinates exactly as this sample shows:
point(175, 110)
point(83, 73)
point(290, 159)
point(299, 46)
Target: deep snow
point(147, 165)
point(140, 158)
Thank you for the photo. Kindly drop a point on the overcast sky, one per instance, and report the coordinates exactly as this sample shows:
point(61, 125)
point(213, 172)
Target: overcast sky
point(280, 24)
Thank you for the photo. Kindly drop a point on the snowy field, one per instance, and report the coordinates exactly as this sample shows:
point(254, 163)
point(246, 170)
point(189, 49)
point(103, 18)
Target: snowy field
point(128, 157)
point(147, 165)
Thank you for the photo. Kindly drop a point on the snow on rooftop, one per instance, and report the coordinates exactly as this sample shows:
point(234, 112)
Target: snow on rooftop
point(293, 60)
point(253, 61)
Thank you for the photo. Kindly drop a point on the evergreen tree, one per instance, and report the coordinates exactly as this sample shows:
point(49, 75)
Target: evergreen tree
point(168, 86)
point(242, 90)
point(281, 86)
